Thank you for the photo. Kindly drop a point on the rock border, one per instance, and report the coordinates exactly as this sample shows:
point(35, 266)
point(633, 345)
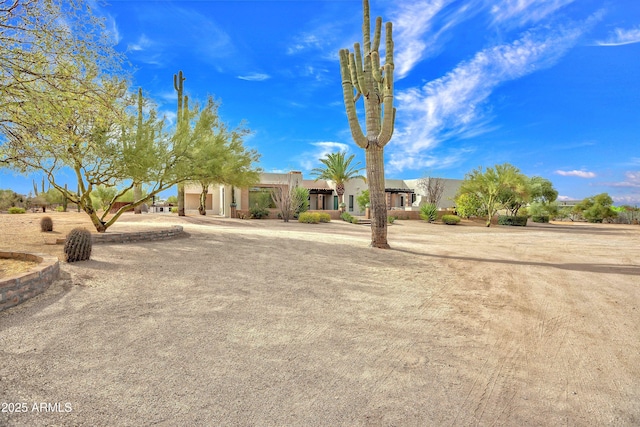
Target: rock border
point(20, 287)
point(136, 236)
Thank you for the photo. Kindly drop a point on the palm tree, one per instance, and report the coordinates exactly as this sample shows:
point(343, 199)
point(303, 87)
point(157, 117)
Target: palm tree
point(339, 170)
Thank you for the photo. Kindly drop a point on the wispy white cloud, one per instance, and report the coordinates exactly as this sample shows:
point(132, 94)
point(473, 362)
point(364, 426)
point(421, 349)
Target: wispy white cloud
point(576, 173)
point(628, 199)
point(399, 161)
point(621, 36)
point(112, 28)
point(632, 180)
point(206, 39)
point(324, 40)
point(412, 20)
point(169, 117)
point(455, 106)
point(310, 158)
point(255, 77)
point(304, 42)
point(141, 44)
point(521, 12)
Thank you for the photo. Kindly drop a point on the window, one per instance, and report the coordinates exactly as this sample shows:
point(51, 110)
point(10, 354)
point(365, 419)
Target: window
point(351, 203)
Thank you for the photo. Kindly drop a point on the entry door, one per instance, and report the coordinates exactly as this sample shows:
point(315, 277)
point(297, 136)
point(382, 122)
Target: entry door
point(335, 203)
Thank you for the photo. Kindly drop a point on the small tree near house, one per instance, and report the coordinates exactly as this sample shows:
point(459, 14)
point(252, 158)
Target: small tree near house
point(432, 188)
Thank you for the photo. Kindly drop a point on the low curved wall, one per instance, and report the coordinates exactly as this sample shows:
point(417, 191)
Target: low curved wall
point(138, 236)
point(19, 288)
point(135, 236)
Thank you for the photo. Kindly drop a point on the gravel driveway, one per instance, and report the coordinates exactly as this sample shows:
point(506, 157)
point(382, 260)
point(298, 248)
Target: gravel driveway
point(272, 324)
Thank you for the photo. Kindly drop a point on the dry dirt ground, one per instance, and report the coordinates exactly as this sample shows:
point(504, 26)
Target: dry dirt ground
point(272, 324)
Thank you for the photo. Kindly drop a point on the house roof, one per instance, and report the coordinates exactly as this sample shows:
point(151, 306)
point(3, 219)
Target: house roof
point(317, 187)
point(396, 186)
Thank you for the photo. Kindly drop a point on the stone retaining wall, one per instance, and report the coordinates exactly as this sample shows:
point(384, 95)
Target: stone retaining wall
point(21, 287)
point(136, 236)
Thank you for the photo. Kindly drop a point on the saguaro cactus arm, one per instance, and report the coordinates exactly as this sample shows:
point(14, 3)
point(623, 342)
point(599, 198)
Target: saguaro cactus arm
point(349, 100)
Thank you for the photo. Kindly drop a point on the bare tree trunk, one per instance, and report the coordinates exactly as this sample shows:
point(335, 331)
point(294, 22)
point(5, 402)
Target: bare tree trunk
point(137, 195)
point(181, 199)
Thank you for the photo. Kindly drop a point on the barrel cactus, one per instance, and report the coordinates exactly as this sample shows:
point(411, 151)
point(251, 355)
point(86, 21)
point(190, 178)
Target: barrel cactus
point(78, 245)
point(46, 223)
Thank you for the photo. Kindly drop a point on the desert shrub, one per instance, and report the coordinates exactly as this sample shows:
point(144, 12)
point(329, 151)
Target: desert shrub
point(391, 219)
point(46, 223)
point(309, 217)
point(362, 199)
point(60, 209)
point(260, 202)
point(354, 220)
point(258, 212)
point(520, 221)
point(346, 216)
point(428, 212)
point(16, 210)
point(301, 199)
point(469, 205)
point(324, 217)
point(540, 218)
point(78, 245)
point(174, 209)
point(450, 219)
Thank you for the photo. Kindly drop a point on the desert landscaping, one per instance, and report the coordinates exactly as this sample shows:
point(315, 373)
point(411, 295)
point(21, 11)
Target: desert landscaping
point(248, 322)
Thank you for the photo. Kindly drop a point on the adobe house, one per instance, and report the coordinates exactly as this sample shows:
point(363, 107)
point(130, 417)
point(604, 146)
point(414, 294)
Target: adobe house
point(402, 195)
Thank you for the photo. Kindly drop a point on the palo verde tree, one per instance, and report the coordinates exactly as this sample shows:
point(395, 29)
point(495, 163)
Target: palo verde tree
point(364, 78)
point(492, 188)
point(97, 143)
point(596, 208)
point(338, 168)
point(219, 155)
point(50, 51)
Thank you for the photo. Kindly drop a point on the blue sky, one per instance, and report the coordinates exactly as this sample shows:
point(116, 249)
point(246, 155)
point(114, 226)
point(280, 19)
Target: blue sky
point(552, 87)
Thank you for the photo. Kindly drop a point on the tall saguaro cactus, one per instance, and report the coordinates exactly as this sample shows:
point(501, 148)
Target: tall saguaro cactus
point(364, 77)
point(178, 85)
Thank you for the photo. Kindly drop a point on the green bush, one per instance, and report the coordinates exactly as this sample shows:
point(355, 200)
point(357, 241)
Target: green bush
point(16, 210)
point(346, 216)
point(309, 217)
point(258, 212)
point(520, 221)
point(324, 217)
point(450, 219)
point(174, 209)
point(540, 218)
point(469, 205)
point(391, 219)
point(354, 220)
point(60, 209)
point(429, 212)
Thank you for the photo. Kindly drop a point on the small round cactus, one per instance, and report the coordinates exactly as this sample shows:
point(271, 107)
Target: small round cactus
point(46, 224)
point(78, 245)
